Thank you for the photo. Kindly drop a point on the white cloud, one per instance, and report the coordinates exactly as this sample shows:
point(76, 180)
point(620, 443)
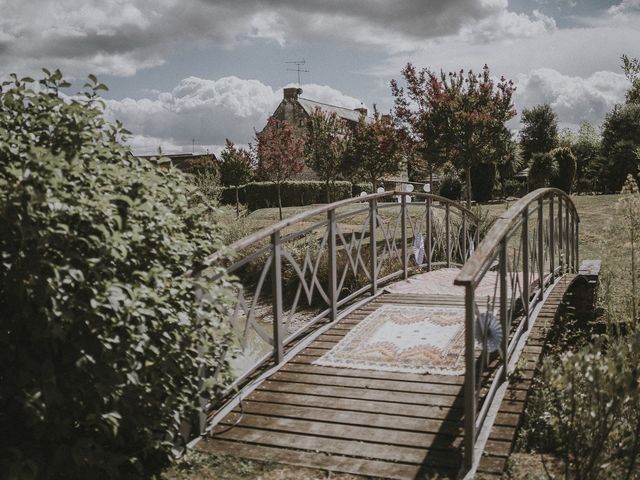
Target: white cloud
point(121, 37)
point(507, 25)
point(207, 112)
point(574, 99)
point(625, 7)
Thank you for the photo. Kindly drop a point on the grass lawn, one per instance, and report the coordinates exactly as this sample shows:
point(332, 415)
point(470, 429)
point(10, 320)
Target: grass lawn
point(595, 213)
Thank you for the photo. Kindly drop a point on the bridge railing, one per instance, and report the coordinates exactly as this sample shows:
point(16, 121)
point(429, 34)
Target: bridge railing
point(517, 262)
point(315, 267)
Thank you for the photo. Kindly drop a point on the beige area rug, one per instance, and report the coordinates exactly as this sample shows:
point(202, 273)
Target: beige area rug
point(440, 282)
point(404, 338)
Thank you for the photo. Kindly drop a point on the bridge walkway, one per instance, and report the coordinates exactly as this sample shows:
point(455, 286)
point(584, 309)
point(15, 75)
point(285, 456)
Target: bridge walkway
point(367, 422)
point(440, 399)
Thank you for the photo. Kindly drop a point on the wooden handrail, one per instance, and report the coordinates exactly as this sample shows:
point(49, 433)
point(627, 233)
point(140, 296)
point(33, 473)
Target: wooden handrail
point(287, 222)
point(473, 268)
point(493, 251)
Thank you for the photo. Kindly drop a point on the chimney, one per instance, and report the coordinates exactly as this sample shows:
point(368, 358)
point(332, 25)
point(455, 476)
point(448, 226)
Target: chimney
point(292, 93)
point(362, 110)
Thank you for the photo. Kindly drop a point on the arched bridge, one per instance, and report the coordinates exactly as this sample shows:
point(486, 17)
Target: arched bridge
point(378, 335)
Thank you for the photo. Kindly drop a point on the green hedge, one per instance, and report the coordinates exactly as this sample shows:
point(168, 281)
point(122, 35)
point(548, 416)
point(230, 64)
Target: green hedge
point(264, 194)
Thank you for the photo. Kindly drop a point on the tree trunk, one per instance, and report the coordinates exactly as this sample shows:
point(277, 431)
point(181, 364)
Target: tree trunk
point(374, 185)
point(328, 192)
point(468, 175)
point(279, 200)
point(237, 203)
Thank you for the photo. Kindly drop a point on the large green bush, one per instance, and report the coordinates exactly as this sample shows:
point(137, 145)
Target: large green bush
point(483, 180)
point(294, 194)
point(566, 162)
point(542, 170)
point(450, 187)
point(102, 335)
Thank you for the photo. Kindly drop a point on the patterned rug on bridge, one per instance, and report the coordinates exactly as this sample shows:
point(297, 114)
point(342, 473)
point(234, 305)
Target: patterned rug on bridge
point(404, 338)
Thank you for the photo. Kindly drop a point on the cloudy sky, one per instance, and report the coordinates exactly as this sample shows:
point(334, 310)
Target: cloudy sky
point(184, 72)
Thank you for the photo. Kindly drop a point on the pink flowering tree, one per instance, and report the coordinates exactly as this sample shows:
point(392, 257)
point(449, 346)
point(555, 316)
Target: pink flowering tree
point(457, 117)
point(280, 152)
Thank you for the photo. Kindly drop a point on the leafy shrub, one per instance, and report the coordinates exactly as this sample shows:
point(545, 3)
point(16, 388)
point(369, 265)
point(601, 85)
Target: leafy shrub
point(566, 162)
point(451, 187)
point(587, 405)
point(483, 179)
point(542, 170)
point(103, 335)
point(264, 194)
point(358, 188)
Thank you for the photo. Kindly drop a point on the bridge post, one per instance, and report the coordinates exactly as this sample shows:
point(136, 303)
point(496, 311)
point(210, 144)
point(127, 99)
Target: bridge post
point(503, 308)
point(428, 222)
point(576, 259)
point(333, 281)
point(276, 293)
point(561, 252)
point(469, 379)
point(525, 266)
point(567, 238)
point(541, 247)
point(447, 220)
point(464, 238)
point(373, 222)
point(403, 226)
point(552, 240)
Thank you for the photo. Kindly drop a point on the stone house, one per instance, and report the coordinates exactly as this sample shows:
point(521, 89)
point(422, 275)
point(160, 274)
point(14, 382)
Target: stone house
point(295, 110)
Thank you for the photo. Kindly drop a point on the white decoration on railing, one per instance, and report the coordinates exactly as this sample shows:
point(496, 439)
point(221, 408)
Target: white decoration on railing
point(418, 248)
point(488, 331)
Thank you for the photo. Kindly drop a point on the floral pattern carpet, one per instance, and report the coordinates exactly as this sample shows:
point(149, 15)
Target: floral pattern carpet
point(404, 338)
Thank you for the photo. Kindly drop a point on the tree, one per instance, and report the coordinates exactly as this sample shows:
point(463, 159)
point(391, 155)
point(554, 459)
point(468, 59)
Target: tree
point(374, 150)
point(510, 165)
point(620, 139)
point(236, 168)
point(280, 152)
point(542, 170)
point(556, 169)
point(586, 147)
point(565, 160)
point(236, 165)
point(631, 68)
point(456, 117)
point(104, 332)
point(327, 139)
point(539, 132)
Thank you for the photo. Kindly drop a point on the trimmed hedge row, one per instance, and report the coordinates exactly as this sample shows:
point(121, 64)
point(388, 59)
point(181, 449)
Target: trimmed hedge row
point(294, 193)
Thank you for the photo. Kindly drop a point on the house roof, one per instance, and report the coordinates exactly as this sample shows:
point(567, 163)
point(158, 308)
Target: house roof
point(310, 106)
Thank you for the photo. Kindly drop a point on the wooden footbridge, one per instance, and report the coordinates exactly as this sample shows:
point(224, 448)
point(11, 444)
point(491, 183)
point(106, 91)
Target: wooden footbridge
point(306, 285)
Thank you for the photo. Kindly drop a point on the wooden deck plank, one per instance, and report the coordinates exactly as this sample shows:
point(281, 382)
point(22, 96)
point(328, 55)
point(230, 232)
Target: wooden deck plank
point(363, 393)
point(354, 417)
point(355, 448)
point(356, 382)
point(352, 404)
point(385, 436)
point(335, 463)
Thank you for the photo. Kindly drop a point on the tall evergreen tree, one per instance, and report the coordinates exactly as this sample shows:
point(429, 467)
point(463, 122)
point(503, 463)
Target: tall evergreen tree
point(539, 132)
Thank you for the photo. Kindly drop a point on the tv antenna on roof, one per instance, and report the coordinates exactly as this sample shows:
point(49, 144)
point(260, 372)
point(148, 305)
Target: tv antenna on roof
point(298, 64)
